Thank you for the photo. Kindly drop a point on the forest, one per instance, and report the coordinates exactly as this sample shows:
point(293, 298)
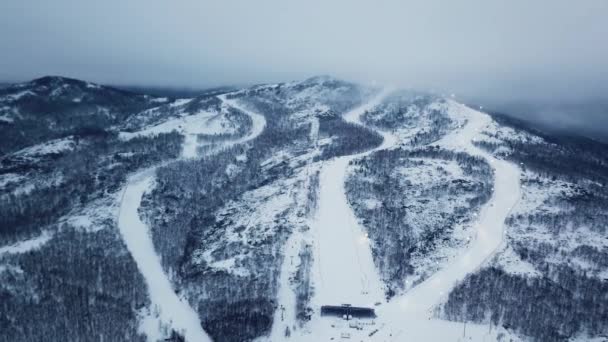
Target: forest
point(411, 202)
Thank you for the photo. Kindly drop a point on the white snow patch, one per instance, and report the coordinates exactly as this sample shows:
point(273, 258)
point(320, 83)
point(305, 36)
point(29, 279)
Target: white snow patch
point(6, 118)
point(24, 189)
point(20, 94)
point(180, 102)
point(9, 178)
point(371, 203)
point(511, 263)
point(27, 245)
point(93, 86)
point(50, 147)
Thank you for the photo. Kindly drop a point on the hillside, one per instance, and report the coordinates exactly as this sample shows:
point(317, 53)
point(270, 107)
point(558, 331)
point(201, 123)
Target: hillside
point(235, 215)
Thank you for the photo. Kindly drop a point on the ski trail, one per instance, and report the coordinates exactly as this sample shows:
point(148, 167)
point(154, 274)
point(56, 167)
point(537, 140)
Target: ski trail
point(167, 309)
point(343, 268)
point(191, 143)
point(258, 121)
point(172, 310)
point(410, 317)
point(412, 313)
point(25, 246)
point(344, 262)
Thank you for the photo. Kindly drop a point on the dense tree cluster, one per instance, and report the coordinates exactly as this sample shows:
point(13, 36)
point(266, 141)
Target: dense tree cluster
point(347, 138)
point(79, 286)
point(409, 217)
point(555, 307)
point(96, 167)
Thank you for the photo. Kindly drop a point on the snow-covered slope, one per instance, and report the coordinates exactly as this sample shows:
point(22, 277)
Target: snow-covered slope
point(236, 216)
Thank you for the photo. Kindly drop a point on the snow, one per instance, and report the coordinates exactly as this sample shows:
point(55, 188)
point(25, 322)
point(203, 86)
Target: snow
point(11, 268)
point(168, 307)
point(190, 126)
point(50, 147)
point(8, 178)
point(344, 272)
point(95, 216)
point(229, 265)
point(93, 86)
point(285, 315)
point(343, 268)
point(184, 124)
point(20, 94)
point(201, 123)
point(24, 189)
point(6, 118)
point(258, 120)
point(180, 102)
point(415, 309)
point(511, 263)
point(372, 203)
point(27, 245)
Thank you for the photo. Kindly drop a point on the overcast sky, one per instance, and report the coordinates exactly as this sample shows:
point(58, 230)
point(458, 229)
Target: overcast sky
point(501, 48)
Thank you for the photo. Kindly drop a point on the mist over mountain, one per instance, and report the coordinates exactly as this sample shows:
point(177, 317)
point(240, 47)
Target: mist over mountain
point(276, 171)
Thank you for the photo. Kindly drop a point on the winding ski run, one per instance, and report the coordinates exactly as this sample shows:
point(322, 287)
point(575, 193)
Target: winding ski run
point(344, 272)
point(167, 310)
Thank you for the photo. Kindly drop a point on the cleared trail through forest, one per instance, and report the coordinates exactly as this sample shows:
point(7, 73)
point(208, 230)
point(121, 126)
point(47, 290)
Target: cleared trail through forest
point(166, 308)
point(344, 271)
point(343, 260)
point(343, 268)
point(410, 317)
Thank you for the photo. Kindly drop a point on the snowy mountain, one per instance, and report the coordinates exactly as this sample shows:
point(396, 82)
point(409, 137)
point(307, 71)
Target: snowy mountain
point(238, 215)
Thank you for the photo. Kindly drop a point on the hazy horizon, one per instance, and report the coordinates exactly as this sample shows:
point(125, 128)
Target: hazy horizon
point(485, 52)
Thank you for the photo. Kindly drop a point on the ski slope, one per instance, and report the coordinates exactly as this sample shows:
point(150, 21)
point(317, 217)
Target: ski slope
point(28, 245)
point(258, 121)
point(344, 271)
point(343, 259)
point(343, 267)
point(412, 314)
point(172, 311)
point(167, 308)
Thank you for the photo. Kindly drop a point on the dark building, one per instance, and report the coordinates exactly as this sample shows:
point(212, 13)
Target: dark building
point(347, 311)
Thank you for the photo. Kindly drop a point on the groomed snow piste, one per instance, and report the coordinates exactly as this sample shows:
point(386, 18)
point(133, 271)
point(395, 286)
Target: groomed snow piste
point(167, 310)
point(344, 273)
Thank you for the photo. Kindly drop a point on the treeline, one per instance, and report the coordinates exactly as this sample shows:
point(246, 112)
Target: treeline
point(564, 157)
point(79, 286)
point(549, 308)
point(347, 138)
point(96, 167)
